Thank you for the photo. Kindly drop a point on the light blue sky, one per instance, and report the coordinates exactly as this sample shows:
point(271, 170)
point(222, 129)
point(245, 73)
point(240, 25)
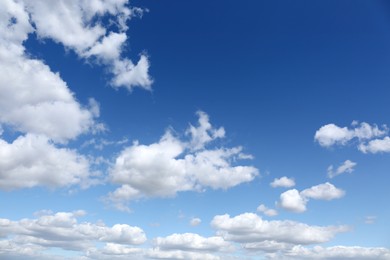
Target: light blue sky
point(194, 130)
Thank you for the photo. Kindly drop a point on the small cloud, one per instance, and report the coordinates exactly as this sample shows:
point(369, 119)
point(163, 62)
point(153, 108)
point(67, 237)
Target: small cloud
point(284, 182)
point(370, 219)
point(347, 166)
point(195, 221)
point(266, 211)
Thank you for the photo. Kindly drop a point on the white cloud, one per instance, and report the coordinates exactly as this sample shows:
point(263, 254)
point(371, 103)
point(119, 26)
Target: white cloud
point(195, 221)
point(250, 228)
point(192, 242)
point(376, 146)
point(266, 211)
point(171, 165)
point(284, 182)
point(34, 99)
point(292, 200)
point(62, 230)
point(339, 253)
point(73, 24)
point(295, 201)
point(204, 133)
point(32, 160)
point(325, 191)
point(331, 134)
point(178, 254)
point(268, 246)
point(347, 166)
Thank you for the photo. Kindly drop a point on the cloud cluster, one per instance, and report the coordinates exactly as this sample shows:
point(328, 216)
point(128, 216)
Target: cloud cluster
point(296, 201)
point(62, 230)
point(77, 26)
point(250, 228)
point(172, 165)
point(366, 135)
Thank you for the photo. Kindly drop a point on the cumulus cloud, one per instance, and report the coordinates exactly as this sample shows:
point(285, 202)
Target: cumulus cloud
point(33, 160)
point(62, 230)
point(295, 201)
point(292, 200)
point(266, 211)
point(339, 253)
point(284, 182)
point(347, 166)
point(251, 228)
point(331, 134)
point(376, 146)
point(34, 99)
point(325, 191)
point(74, 24)
point(192, 242)
point(172, 165)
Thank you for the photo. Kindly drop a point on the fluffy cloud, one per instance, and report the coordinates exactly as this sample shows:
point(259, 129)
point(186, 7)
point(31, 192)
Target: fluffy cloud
point(339, 253)
point(325, 191)
point(295, 201)
point(62, 230)
point(347, 166)
point(74, 24)
point(34, 99)
point(32, 160)
point(376, 146)
point(283, 182)
point(172, 165)
point(332, 134)
point(250, 228)
point(191, 242)
point(292, 200)
point(266, 211)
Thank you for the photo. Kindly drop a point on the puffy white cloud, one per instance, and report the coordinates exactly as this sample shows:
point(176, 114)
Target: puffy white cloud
point(32, 160)
point(293, 201)
point(339, 253)
point(195, 221)
point(284, 182)
point(172, 165)
point(250, 228)
point(192, 242)
point(376, 146)
point(62, 230)
point(204, 133)
point(34, 99)
point(178, 254)
point(74, 24)
point(332, 134)
point(325, 191)
point(266, 211)
point(347, 166)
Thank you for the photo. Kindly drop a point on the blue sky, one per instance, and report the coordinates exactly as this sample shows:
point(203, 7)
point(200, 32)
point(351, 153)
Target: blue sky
point(194, 130)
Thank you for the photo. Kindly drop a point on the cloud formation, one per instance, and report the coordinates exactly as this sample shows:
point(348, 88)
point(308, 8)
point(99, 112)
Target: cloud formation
point(347, 166)
point(366, 135)
point(250, 228)
point(284, 182)
point(295, 201)
point(172, 165)
point(62, 230)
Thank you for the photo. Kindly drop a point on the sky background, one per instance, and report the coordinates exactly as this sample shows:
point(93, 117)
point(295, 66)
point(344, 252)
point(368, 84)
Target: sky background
point(194, 129)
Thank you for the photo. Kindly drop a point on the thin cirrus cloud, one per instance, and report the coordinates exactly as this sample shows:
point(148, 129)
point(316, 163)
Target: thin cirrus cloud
point(295, 201)
point(173, 165)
